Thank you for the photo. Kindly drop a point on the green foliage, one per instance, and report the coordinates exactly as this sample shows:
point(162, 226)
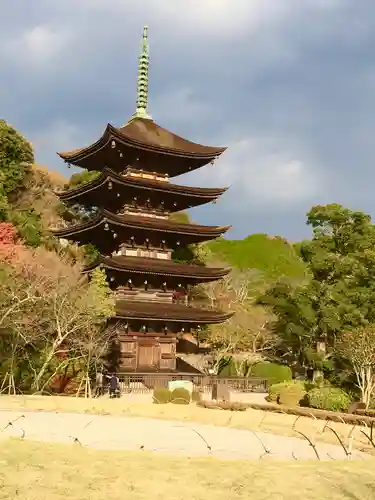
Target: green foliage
point(102, 294)
point(275, 390)
point(273, 372)
point(29, 225)
point(292, 394)
point(227, 367)
point(180, 396)
point(340, 293)
point(161, 396)
point(16, 157)
point(91, 253)
point(274, 256)
point(81, 178)
point(329, 399)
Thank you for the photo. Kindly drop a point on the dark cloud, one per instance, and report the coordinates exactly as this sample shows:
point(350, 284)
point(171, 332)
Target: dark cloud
point(288, 86)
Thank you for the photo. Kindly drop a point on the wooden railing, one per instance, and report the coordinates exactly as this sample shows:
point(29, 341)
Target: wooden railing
point(143, 383)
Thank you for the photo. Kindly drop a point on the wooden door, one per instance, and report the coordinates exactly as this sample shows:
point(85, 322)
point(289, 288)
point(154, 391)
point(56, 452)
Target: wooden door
point(148, 357)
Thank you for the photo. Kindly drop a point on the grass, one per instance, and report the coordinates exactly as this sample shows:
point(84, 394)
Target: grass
point(34, 471)
point(273, 256)
point(250, 419)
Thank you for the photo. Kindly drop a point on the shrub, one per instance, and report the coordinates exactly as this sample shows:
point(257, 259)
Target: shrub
point(292, 394)
point(180, 396)
point(329, 399)
point(227, 367)
point(273, 372)
point(161, 396)
point(221, 405)
point(275, 390)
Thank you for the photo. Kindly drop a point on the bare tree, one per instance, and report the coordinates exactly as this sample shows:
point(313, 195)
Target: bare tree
point(75, 308)
point(248, 330)
point(358, 346)
point(46, 302)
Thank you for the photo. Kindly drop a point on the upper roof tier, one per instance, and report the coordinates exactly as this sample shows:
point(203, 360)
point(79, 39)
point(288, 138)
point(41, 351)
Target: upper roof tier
point(143, 144)
point(137, 230)
point(112, 191)
point(160, 267)
point(129, 309)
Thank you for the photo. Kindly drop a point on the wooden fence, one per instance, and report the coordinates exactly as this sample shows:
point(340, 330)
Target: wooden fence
point(143, 383)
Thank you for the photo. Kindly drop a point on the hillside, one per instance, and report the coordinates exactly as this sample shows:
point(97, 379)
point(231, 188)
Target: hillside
point(273, 256)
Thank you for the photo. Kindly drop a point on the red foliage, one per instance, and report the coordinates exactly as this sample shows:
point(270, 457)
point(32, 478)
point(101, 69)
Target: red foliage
point(8, 234)
point(9, 245)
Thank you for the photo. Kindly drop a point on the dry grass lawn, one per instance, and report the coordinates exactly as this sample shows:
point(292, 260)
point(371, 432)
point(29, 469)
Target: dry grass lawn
point(275, 423)
point(34, 471)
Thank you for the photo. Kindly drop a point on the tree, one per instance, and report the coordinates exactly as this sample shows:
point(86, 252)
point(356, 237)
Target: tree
point(339, 294)
point(73, 307)
point(81, 178)
point(358, 346)
point(47, 307)
point(248, 330)
point(16, 157)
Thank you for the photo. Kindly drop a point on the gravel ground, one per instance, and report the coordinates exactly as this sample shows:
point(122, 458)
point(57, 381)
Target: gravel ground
point(162, 436)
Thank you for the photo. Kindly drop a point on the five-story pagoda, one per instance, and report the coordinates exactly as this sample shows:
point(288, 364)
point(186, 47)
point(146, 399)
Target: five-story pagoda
point(132, 229)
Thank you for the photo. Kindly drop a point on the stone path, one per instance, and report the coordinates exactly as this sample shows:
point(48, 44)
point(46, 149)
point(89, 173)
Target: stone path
point(162, 436)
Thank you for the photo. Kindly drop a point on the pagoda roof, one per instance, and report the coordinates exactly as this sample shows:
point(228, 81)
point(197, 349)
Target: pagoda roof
point(142, 265)
point(144, 134)
point(159, 311)
point(189, 196)
point(140, 222)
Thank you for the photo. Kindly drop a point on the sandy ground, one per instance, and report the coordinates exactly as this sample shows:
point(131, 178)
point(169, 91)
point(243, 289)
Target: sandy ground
point(162, 436)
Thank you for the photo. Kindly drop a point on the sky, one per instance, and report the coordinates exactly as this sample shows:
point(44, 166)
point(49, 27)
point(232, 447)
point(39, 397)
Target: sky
point(287, 85)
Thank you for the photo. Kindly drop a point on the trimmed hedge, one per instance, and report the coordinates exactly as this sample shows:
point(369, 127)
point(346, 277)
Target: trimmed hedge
point(180, 396)
point(161, 396)
point(275, 390)
point(332, 416)
point(221, 405)
point(328, 398)
point(297, 411)
point(367, 413)
point(273, 372)
point(292, 395)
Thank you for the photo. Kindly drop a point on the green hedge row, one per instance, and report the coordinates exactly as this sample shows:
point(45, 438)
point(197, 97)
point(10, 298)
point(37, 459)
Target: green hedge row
point(179, 396)
point(300, 393)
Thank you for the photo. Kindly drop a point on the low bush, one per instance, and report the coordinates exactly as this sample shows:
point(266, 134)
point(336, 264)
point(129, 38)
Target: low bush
point(331, 416)
point(273, 372)
point(275, 390)
point(180, 396)
point(368, 413)
point(292, 394)
point(328, 398)
point(161, 396)
point(221, 405)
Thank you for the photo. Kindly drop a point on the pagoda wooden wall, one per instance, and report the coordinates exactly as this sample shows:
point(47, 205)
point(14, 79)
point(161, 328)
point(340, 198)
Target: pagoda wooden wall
point(143, 354)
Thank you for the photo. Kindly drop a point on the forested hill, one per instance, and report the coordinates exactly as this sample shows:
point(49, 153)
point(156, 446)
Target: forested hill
point(272, 255)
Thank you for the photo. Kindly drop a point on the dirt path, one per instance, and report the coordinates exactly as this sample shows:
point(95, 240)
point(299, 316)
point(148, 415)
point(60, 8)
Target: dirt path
point(162, 436)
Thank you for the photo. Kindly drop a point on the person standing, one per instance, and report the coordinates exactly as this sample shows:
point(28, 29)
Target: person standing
point(113, 386)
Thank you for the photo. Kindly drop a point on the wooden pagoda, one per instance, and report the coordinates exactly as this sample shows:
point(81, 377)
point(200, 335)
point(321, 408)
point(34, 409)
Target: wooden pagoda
point(133, 200)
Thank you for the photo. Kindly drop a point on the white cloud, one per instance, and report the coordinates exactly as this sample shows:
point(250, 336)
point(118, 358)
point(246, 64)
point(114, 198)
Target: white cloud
point(38, 46)
point(262, 172)
point(179, 105)
point(56, 137)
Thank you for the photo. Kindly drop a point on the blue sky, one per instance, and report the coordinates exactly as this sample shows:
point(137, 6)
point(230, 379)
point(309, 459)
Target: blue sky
point(287, 85)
